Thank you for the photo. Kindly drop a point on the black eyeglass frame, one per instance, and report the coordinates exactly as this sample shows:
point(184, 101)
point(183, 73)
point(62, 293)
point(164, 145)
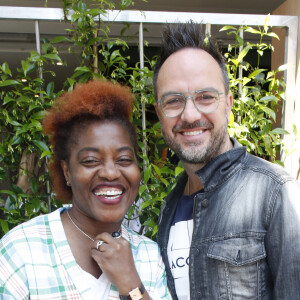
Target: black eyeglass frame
point(193, 99)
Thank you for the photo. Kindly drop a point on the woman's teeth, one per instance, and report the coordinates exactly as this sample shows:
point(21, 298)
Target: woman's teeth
point(109, 193)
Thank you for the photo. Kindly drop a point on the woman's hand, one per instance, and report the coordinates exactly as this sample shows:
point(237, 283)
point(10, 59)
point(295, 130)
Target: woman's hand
point(114, 257)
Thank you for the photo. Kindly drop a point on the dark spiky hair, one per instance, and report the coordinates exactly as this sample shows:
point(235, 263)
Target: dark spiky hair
point(178, 36)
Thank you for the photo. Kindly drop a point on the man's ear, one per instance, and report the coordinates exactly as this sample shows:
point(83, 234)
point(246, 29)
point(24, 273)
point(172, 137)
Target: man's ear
point(66, 171)
point(229, 103)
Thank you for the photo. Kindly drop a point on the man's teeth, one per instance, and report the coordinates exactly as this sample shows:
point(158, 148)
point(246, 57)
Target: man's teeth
point(192, 132)
point(109, 193)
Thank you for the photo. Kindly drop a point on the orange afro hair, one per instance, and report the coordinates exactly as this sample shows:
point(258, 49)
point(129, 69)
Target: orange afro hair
point(88, 102)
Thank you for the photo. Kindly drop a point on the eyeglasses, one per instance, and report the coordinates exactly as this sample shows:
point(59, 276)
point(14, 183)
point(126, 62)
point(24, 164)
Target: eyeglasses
point(205, 101)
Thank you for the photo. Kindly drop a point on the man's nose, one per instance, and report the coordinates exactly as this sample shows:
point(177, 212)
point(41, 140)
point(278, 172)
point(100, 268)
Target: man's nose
point(109, 171)
point(190, 113)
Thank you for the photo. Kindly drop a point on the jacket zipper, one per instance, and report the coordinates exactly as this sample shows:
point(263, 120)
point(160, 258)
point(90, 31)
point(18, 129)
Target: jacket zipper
point(194, 206)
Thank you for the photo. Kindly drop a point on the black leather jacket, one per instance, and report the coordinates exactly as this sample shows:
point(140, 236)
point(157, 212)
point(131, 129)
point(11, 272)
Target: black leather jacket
point(246, 238)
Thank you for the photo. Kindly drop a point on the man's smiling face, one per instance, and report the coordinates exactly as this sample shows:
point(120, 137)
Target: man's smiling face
point(194, 136)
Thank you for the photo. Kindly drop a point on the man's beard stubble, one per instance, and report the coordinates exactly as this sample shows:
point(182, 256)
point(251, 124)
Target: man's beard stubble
point(197, 153)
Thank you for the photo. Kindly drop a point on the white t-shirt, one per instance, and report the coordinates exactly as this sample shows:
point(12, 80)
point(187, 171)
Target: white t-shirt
point(100, 286)
point(179, 246)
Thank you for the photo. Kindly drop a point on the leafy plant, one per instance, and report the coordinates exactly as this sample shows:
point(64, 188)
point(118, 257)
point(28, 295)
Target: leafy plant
point(257, 97)
point(24, 149)
point(258, 94)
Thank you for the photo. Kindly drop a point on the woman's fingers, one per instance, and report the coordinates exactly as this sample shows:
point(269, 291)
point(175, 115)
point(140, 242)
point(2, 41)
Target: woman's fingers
point(105, 239)
point(114, 257)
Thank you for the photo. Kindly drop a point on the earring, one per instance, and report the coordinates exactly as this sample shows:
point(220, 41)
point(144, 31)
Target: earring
point(68, 183)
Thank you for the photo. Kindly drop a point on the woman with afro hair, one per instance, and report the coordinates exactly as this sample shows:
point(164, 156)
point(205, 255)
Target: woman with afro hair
point(84, 252)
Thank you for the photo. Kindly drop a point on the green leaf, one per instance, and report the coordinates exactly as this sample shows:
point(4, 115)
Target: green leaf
point(130, 212)
point(231, 119)
point(142, 189)
point(157, 170)
point(4, 225)
point(6, 68)
point(147, 174)
point(52, 56)
point(3, 175)
point(240, 41)
point(44, 208)
point(38, 115)
point(36, 125)
point(50, 88)
point(29, 209)
point(178, 171)
point(268, 98)
point(60, 39)
point(124, 4)
point(14, 123)
point(269, 112)
point(279, 131)
point(295, 131)
point(244, 52)
point(83, 69)
point(156, 126)
point(260, 52)
point(164, 181)
point(71, 82)
point(155, 230)
point(273, 34)
point(143, 205)
point(15, 140)
point(8, 99)
point(10, 203)
point(25, 66)
point(151, 223)
point(41, 145)
point(267, 22)
point(33, 106)
point(46, 153)
point(235, 61)
point(74, 18)
point(95, 11)
point(34, 186)
point(252, 30)
point(256, 72)
point(7, 192)
point(81, 6)
point(227, 27)
point(9, 82)
point(246, 80)
point(35, 56)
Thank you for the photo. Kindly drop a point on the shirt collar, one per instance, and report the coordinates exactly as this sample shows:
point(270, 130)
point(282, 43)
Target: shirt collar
point(220, 168)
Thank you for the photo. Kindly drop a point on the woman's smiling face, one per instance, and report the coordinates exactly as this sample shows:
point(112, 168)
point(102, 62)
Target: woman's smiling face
point(103, 171)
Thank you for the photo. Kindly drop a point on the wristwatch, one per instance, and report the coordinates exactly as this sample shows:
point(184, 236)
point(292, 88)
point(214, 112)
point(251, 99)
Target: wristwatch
point(135, 294)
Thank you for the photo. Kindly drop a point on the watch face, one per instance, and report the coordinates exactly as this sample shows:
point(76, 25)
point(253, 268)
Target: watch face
point(136, 294)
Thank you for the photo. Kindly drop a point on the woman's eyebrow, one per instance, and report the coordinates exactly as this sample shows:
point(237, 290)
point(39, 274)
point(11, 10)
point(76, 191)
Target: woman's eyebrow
point(94, 149)
point(125, 148)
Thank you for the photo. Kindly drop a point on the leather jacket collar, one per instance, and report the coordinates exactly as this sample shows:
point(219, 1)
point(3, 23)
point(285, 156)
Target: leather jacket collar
point(220, 168)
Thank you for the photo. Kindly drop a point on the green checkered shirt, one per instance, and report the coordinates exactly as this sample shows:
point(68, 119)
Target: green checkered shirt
point(36, 262)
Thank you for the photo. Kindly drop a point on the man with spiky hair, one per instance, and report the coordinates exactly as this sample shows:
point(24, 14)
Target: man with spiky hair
point(230, 229)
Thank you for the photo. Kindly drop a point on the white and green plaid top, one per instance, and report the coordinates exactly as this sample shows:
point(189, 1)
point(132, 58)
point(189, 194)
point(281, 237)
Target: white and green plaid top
point(36, 262)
